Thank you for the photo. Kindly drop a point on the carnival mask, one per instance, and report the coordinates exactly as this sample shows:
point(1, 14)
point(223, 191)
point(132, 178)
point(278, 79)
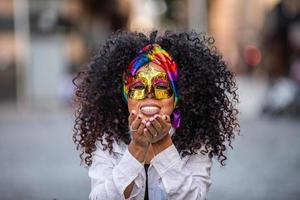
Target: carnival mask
point(150, 83)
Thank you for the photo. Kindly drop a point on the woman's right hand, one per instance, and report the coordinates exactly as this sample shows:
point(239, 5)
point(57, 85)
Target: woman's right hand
point(136, 127)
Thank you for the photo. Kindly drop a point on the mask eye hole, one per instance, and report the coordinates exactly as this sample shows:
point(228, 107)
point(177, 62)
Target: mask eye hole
point(162, 85)
point(137, 86)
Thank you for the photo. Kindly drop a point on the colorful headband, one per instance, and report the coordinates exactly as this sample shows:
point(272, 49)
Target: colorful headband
point(154, 53)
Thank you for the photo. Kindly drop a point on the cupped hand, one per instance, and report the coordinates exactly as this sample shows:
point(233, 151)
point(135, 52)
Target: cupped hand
point(136, 127)
point(157, 128)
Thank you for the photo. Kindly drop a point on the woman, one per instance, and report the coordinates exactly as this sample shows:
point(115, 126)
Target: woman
point(152, 112)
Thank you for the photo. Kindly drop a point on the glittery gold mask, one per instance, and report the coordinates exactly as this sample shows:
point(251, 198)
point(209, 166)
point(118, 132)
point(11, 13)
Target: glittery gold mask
point(150, 83)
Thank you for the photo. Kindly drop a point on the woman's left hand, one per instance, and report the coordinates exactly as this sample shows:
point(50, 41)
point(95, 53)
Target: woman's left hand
point(157, 128)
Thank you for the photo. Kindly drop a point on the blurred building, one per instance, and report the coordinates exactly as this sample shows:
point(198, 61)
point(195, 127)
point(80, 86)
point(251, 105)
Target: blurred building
point(236, 26)
point(43, 43)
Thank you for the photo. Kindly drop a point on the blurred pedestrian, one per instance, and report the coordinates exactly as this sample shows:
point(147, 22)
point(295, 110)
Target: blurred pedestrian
point(281, 45)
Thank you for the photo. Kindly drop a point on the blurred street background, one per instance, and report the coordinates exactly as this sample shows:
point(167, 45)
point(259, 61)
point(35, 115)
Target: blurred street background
point(44, 43)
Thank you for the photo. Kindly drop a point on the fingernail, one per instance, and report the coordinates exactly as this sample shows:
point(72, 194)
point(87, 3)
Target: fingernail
point(148, 124)
point(155, 116)
point(151, 119)
point(144, 121)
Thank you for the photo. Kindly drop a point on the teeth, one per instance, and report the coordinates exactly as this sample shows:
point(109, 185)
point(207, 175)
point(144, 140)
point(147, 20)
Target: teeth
point(150, 110)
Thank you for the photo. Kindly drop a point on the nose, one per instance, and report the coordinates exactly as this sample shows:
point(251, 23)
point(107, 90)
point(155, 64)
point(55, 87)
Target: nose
point(150, 92)
point(150, 95)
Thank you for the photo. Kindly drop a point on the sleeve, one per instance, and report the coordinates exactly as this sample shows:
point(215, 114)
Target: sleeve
point(109, 180)
point(192, 177)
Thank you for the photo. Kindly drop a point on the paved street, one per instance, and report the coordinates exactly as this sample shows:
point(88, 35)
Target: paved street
point(39, 161)
point(265, 163)
point(38, 158)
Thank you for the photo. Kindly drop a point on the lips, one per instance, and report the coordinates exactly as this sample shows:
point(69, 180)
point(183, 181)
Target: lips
point(150, 109)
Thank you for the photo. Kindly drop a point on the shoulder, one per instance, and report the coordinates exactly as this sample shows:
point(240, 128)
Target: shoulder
point(102, 155)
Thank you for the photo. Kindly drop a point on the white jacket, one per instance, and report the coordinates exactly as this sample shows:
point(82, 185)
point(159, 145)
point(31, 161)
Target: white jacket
point(169, 176)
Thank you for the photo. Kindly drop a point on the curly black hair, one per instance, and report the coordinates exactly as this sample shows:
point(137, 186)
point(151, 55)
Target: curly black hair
point(207, 92)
